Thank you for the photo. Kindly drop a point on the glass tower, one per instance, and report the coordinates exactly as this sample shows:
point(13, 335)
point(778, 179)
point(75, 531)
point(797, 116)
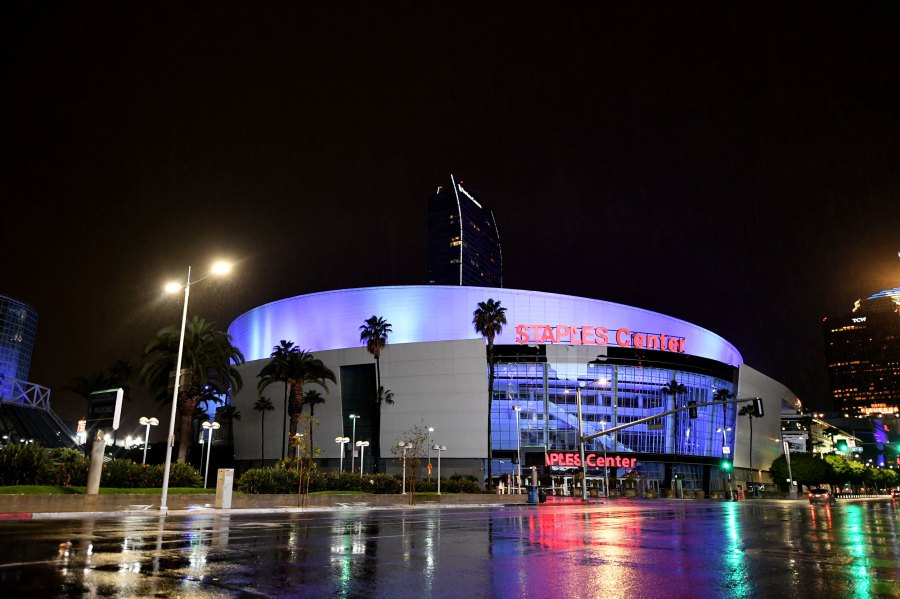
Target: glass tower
point(18, 325)
point(463, 241)
point(862, 352)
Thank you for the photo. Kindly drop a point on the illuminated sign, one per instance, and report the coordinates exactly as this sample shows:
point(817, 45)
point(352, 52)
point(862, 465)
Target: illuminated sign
point(593, 460)
point(82, 426)
point(591, 335)
point(859, 319)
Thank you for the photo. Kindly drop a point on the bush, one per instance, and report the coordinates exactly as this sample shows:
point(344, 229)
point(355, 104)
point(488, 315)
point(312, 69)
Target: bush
point(22, 463)
point(183, 475)
point(65, 467)
point(122, 474)
point(268, 480)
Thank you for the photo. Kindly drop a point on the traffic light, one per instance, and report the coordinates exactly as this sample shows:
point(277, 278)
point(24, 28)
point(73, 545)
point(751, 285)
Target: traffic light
point(758, 407)
point(842, 446)
point(692, 409)
point(725, 466)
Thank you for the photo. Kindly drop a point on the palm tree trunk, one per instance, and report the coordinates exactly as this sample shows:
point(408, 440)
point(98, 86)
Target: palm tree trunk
point(187, 419)
point(284, 421)
point(490, 453)
point(376, 434)
point(262, 442)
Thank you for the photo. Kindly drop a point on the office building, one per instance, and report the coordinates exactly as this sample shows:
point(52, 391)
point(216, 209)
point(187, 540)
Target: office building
point(463, 241)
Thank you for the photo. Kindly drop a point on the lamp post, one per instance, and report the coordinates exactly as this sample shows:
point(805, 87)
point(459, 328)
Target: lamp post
point(297, 438)
point(210, 426)
point(354, 418)
point(439, 449)
point(218, 268)
point(403, 445)
point(362, 451)
point(343, 441)
point(518, 450)
point(430, 430)
point(605, 468)
point(148, 422)
point(581, 447)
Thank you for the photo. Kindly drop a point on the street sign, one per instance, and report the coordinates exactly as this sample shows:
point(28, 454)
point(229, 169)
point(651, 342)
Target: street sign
point(104, 409)
point(726, 450)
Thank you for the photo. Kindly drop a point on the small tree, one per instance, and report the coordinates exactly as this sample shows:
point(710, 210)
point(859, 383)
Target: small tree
point(750, 413)
point(416, 442)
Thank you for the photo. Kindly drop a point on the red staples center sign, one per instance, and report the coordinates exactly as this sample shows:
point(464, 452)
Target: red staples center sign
point(593, 460)
point(591, 335)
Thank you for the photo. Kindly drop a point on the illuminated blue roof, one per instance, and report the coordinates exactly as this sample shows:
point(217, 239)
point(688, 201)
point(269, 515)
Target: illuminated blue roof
point(330, 320)
point(894, 294)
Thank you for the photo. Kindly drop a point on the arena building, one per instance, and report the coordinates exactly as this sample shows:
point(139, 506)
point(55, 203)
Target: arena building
point(620, 358)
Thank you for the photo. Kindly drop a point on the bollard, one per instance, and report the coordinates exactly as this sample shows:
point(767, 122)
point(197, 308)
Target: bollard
point(96, 466)
point(224, 482)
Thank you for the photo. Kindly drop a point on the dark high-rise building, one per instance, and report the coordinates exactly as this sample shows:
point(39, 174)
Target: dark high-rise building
point(463, 241)
point(862, 351)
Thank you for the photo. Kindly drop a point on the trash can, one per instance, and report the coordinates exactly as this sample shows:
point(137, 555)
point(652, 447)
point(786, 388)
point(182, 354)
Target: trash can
point(532, 494)
point(542, 495)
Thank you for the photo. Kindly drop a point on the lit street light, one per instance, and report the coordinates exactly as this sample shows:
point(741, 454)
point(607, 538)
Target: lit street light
point(210, 426)
point(518, 450)
point(354, 418)
point(148, 422)
point(343, 441)
point(219, 268)
point(362, 451)
point(439, 449)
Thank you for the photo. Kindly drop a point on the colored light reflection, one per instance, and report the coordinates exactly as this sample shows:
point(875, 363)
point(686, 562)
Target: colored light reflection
point(854, 533)
point(735, 567)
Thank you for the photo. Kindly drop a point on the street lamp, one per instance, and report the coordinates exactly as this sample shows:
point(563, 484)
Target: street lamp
point(403, 445)
point(605, 467)
point(297, 438)
point(148, 422)
point(430, 430)
point(439, 449)
point(518, 450)
point(354, 418)
point(362, 451)
point(210, 426)
point(343, 441)
point(219, 268)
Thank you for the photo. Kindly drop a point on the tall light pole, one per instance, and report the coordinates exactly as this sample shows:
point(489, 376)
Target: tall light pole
point(354, 418)
point(581, 447)
point(362, 451)
point(439, 449)
point(605, 469)
point(430, 430)
point(403, 445)
point(148, 422)
point(343, 441)
point(518, 450)
point(218, 268)
point(210, 426)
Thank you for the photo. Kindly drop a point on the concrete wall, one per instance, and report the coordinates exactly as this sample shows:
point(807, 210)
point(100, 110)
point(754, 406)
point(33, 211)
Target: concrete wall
point(441, 385)
point(766, 430)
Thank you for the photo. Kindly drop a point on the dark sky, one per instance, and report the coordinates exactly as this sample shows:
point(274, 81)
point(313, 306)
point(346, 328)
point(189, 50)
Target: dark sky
point(734, 165)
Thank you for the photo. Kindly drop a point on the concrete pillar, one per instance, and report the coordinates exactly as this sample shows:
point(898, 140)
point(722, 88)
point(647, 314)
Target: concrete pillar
point(96, 466)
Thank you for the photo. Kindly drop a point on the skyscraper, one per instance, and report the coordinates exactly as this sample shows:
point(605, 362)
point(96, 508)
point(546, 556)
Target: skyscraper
point(463, 240)
point(862, 352)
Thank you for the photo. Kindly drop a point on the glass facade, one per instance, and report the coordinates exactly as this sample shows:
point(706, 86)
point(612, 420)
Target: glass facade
point(615, 391)
point(18, 327)
point(463, 241)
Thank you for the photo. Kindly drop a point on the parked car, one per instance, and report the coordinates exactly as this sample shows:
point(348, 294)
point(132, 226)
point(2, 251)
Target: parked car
point(821, 496)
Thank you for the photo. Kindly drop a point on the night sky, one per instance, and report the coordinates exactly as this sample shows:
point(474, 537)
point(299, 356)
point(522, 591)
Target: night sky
point(737, 166)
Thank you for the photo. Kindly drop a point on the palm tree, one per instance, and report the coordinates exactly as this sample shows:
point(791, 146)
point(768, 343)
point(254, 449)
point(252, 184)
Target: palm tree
point(275, 373)
point(297, 368)
point(751, 414)
point(312, 398)
point(209, 356)
point(229, 414)
point(262, 405)
point(489, 318)
point(374, 334)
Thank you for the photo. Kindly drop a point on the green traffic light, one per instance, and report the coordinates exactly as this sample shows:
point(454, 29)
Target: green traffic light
point(726, 465)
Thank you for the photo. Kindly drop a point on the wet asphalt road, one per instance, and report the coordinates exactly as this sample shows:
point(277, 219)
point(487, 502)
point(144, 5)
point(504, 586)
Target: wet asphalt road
point(630, 549)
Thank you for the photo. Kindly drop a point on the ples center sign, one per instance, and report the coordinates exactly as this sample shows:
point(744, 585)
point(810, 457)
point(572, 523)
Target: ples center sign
point(591, 335)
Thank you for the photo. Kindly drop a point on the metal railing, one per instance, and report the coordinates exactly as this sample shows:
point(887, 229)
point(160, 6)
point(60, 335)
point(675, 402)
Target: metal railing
point(24, 393)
